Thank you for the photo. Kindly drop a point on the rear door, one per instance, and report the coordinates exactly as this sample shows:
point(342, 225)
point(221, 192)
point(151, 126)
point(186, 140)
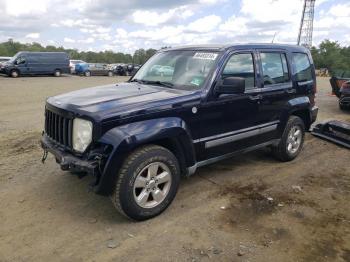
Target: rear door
point(276, 85)
point(305, 79)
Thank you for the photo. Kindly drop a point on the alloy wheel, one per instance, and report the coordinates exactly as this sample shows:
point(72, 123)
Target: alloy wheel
point(152, 185)
point(294, 139)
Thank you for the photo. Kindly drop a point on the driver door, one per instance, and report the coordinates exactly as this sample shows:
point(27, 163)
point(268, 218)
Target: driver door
point(22, 65)
point(230, 122)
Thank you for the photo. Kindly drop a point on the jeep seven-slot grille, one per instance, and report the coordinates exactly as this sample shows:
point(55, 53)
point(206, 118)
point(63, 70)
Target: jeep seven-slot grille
point(59, 128)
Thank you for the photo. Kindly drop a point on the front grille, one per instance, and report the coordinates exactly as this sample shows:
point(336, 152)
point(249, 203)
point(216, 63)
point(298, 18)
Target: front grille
point(59, 128)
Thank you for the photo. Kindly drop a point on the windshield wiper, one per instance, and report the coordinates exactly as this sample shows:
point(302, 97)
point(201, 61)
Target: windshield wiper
point(149, 82)
point(138, 81)
point(161, 83)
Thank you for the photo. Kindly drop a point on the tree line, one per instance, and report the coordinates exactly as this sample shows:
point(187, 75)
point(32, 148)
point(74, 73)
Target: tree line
point(329, 54)
point(10, 48)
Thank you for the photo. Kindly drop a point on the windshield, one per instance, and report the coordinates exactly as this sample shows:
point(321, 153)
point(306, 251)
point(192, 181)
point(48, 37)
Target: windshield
point(13, 59)
point(186, 70)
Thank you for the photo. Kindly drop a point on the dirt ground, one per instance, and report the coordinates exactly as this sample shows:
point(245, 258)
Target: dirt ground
point(248, 208)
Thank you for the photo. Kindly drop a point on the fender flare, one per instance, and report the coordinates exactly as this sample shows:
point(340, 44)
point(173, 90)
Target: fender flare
point(294, 105)
point(123, 139)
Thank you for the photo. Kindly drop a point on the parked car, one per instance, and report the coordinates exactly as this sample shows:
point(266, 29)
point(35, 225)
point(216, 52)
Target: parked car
point(72, 64)
point(344, 97)
point(138, 138)
point(132, 69)
point(120, 69)
point(337, 80)
point(36, 63)
point(93, 69)
point(4, 59)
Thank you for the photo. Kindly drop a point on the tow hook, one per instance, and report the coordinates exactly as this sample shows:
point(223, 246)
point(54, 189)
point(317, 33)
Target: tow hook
point(44, 156)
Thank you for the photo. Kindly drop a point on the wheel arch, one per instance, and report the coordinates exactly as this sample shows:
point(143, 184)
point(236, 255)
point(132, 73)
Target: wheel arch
point(170, 133)
point(301, 107)
point(14, 70)
point(304, 114)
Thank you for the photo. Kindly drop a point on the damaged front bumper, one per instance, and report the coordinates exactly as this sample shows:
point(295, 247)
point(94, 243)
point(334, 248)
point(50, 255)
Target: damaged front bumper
point(67, 161)
point(335, 131)
point(344, 100)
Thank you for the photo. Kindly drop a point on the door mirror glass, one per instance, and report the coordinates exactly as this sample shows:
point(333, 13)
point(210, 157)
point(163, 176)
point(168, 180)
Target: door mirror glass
point(231, 85)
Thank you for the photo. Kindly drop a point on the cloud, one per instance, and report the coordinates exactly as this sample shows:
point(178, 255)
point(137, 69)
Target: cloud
point(89, 40)
point(68, 40)
point(340, 10)
point(204, 24)
point(272, 10)
point(128, 25)
point(25, 7)
point(153, 18)
point(33, 35)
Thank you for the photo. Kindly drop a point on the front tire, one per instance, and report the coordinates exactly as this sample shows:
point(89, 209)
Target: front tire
point(147, 183)
point(14, 73)
point(292, 140)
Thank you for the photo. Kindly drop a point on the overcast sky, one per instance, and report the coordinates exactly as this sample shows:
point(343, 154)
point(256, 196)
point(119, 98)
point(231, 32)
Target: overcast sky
point(126, 25)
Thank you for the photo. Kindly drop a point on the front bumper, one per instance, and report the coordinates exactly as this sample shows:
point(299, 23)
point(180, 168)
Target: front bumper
point(344, 100)
point(66, 160)
point(3, 70)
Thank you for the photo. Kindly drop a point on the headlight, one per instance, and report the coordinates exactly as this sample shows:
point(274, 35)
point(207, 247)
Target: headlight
point(82, 134)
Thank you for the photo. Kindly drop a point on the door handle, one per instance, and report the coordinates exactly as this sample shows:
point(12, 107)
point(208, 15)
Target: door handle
point(256, 97)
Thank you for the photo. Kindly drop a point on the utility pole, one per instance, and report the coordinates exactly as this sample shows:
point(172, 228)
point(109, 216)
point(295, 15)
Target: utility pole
point(306, 24)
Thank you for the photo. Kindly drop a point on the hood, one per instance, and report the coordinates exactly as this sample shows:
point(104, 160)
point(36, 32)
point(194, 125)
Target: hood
point(116, 98)
point(5, 63)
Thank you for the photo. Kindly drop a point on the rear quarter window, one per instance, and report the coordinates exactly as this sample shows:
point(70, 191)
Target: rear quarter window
point(302, 67)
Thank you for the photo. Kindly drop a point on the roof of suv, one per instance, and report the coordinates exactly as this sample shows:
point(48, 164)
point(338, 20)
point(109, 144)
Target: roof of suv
point(239, 46)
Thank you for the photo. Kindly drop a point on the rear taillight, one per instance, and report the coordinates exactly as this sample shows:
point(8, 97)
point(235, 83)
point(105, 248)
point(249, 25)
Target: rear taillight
point(313, 95)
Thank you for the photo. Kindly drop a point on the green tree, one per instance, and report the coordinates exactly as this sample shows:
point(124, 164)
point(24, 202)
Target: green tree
point(330, 55)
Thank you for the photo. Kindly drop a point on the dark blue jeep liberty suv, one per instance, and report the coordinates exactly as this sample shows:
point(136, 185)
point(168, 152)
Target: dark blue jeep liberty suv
point(186, 107)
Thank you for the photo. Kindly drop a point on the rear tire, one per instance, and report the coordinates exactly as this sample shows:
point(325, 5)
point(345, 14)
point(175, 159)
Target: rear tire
point(87, 73)
point(57, 73)
point(14, 73)
point(147, 183)
point(292, 140)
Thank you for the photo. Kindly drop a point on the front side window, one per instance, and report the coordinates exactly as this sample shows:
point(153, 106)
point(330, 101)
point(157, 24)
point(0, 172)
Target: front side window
point(179, 69)
point(20, 60)
point(274, 67)
point(241, 65)
point(302, 67)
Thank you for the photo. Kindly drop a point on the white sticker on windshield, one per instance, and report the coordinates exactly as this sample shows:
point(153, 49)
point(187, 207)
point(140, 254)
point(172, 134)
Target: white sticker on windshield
point(206, 56)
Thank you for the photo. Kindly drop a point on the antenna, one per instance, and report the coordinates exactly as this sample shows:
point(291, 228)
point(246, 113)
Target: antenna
point(306, 24)
point(273, 39)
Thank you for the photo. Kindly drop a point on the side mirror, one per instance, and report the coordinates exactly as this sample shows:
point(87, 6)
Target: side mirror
point(231, 85)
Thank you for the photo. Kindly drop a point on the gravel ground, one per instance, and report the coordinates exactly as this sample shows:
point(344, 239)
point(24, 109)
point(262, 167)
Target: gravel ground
point(249, 208)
